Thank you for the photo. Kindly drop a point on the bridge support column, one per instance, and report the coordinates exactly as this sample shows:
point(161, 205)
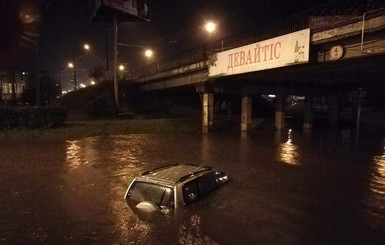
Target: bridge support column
point(308, 112)
point(279, 112)
point(356, 109)
point(207, 111)
point(333, 111)
point(246, 112)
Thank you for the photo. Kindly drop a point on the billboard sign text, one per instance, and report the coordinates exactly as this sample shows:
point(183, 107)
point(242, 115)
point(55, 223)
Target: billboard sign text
point(290, 49)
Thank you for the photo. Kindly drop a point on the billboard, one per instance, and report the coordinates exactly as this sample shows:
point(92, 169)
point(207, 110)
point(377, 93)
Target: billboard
point(290, 49)
point(126, 10)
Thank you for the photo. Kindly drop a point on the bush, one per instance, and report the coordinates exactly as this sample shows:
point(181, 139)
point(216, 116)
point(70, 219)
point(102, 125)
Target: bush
point(103, 106)
point(31, 117)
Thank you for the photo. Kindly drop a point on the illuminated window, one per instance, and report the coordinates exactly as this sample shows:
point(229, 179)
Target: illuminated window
point(7, 88)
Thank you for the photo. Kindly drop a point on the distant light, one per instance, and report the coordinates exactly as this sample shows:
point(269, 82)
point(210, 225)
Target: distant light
point(271, 96)
point(121, 67)
point(210, 26)
point(87, 46)
point(24, 73)
point(148, 53)
point(71, 65)
point(82, 85)
point(28, 18)
point(93, 82)
point(64, 92)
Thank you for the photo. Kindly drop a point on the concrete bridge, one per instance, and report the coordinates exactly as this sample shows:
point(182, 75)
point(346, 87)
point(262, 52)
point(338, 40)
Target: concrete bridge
point(340, 59)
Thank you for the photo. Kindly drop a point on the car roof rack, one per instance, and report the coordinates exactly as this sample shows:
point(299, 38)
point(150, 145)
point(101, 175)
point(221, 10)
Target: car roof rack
point(159, 168)
point(183, 178)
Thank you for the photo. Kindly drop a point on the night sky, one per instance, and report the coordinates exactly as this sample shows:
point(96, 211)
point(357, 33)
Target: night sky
point(175, 26)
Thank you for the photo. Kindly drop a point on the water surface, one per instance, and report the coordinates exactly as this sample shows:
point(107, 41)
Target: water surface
point(287, 187)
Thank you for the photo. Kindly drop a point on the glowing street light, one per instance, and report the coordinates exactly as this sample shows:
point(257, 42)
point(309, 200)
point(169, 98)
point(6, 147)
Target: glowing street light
point(210, 26)
point(72, 64)
point(86, 46)
point(148, 53)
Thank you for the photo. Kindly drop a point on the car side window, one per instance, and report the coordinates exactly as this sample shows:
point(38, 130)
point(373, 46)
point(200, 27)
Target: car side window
point(207, 183)
point(191, 191)
point(199, 187)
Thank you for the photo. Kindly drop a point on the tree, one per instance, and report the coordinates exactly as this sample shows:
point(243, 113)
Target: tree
point(50, 89)
point(96, 73)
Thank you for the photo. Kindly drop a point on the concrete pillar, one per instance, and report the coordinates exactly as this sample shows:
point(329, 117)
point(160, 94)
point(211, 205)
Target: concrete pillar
point(279, 112)
point(308, 112)
point(207, 111)
point(246, 113)
point(333, 111)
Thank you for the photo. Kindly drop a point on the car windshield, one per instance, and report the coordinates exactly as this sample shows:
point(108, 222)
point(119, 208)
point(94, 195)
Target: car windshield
point(158, 194)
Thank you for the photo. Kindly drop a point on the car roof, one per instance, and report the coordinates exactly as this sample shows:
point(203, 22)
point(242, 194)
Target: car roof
point(174, 173)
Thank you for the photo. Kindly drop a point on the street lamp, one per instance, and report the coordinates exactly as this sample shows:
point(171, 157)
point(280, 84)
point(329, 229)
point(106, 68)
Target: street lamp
point(147, 53)
point(72, 64)
point(121, 69)
point(210, 26)
point(86, 46)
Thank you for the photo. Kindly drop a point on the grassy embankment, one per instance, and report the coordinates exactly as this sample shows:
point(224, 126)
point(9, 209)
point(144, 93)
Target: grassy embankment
point(88, 128)
point(79, 124)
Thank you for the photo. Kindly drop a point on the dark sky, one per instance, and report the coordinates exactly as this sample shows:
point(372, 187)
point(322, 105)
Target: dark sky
point(175, 25)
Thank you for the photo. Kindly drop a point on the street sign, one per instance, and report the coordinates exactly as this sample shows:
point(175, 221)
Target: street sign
point(336, 52)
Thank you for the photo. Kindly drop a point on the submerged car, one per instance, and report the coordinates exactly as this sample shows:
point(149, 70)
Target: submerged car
point(171, 187)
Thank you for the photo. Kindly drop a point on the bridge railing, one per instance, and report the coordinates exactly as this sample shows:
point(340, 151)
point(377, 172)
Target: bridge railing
point(350, 8)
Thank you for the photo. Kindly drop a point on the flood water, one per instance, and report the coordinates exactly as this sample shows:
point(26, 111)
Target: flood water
point(287, 187)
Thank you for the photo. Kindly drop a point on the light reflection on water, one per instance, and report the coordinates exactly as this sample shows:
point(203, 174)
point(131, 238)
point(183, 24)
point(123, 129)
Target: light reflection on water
point(254, 181)
point(377, 192)
point(328, 189)
point(378, 176)
point(73, 153)
point(191, 233)
point(288, 151)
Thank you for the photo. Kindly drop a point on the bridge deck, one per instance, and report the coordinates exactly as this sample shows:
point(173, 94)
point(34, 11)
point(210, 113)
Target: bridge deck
point(363, 38)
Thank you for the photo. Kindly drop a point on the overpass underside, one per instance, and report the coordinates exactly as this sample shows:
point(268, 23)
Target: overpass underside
point(360, 66)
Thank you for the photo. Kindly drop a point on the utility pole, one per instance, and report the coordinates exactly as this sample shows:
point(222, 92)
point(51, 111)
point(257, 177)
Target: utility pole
point(74, 63)
point(116, 85)
point(36, 74)
point(107, 53)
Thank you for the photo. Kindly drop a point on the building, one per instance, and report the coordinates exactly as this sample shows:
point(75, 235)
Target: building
point(12, 85)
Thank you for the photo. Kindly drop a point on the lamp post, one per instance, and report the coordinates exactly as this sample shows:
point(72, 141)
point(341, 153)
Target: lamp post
point(211, 27)
point(148, 53)
point(73, 65)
